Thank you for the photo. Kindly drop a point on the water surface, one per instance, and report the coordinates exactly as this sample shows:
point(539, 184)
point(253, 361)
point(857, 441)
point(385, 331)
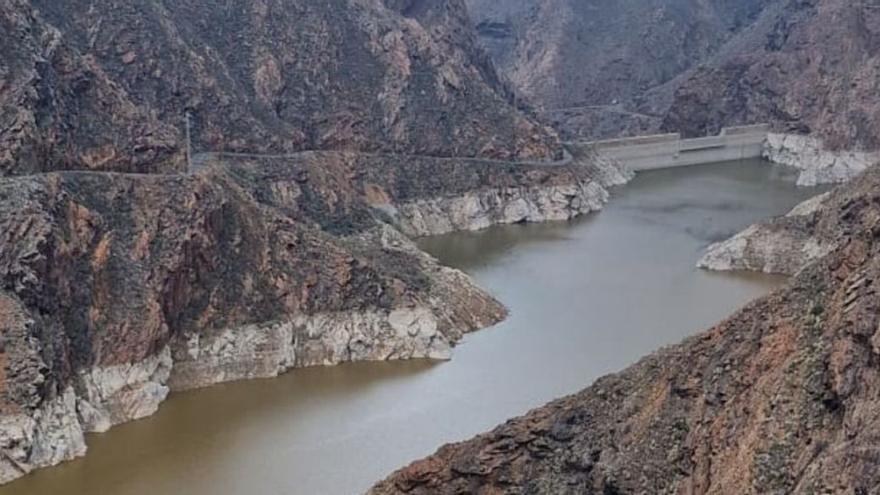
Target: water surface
point(586, 298)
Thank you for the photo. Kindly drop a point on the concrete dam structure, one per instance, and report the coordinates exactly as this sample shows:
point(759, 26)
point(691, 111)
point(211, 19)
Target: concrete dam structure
point(670, 150)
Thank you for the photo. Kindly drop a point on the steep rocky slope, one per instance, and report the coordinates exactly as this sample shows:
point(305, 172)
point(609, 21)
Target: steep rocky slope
point(124, 276)
point(110, 280)
point(105, 85)
point(589, 64)
point(780, 398)
point(59, 109)
point(638, 66)
point(810, 67)
point(116, 288)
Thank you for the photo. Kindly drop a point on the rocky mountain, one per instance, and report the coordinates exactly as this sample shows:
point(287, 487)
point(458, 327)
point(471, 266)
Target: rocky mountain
point(323, 133)
point(106, 85)
point(807, 66)
point(779, 398)
point(386, 118)
point(589, 64)
point(116, 288)
point(601, 68)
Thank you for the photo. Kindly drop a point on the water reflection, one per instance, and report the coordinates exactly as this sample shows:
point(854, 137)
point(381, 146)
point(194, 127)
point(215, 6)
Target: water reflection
point(471, 251)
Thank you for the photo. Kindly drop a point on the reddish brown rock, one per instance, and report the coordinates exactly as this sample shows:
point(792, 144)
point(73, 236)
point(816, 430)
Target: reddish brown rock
point(604, 68)
point(115, 288)
point(811, 67)
point(780, 398)
point(105, 86)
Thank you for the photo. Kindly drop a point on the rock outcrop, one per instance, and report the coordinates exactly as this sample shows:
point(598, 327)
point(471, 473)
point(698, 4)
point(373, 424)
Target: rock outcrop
point(452, 305)
point(118, 288)
point(599, 68)
point(506, 194)
point(106, 85)
point(782, 397)
point(45, 436)
point(781, 246)
point(818, 164)
point(786, 244)
point(481, 209)
point(115, 394)
point(246, 270)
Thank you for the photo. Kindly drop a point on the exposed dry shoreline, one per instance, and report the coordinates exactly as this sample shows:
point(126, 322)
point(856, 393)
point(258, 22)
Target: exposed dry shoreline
point(116, 288)
point(98, 396)
point(244, 270)
point(779, 398)
point(809, 232)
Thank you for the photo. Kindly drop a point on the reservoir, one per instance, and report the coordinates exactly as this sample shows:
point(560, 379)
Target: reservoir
point(586, 298)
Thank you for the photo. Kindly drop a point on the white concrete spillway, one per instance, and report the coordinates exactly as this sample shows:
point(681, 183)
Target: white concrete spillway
point(670, 150)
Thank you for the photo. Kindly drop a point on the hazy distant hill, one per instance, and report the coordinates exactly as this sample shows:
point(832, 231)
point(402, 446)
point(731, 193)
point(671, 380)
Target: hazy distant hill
point(644, 65)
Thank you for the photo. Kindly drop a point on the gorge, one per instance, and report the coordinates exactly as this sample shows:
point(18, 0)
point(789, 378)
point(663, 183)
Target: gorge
point(553, 277)
point(199, 192)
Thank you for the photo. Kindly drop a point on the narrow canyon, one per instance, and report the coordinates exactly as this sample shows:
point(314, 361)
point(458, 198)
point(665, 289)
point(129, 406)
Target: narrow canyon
point(199, 192)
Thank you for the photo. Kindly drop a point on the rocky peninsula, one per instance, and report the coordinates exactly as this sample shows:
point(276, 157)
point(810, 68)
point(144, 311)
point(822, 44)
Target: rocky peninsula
point(127, 272)
point(119, 288)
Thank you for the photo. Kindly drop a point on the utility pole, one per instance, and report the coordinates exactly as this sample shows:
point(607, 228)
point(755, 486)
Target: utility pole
point(188, 143)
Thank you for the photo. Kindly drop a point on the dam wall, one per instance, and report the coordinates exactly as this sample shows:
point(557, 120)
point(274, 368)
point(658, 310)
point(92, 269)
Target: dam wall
point(670, 150)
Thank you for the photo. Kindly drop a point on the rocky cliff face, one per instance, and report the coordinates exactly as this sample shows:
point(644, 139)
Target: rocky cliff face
point(106, 85)
point(431, 197)
point(60, 109)
point(604, 68)
point(109, 281)
point(779, 398)
point(807, 66)
point(592, 64)
point(818, 164)
point(117, 288)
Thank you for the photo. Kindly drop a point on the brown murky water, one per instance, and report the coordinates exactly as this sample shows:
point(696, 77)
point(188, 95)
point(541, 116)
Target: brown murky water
point(586, 298)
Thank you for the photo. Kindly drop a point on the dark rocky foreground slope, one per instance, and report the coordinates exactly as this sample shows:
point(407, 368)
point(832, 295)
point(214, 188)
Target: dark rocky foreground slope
point(638, 66)
point(782, 397)
point(106, 85)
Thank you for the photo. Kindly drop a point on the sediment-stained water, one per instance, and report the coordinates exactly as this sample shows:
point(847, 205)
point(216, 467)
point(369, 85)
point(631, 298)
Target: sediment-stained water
point(586, 298)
